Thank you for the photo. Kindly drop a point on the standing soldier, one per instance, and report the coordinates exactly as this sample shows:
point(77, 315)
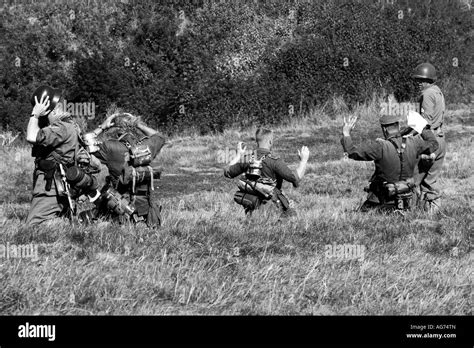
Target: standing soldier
point(127, 150)
point(432, 108)
point(395, 157)
point(56, 147)
point(264, 176)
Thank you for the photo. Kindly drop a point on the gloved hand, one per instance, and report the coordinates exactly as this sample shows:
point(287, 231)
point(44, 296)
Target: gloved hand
point(83, 157)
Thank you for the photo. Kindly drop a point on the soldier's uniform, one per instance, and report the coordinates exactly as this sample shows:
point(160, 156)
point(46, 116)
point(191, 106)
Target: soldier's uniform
point(273, 168)
point(388, 167)
point(432, 108)
point(56, 143)
point(115, 155)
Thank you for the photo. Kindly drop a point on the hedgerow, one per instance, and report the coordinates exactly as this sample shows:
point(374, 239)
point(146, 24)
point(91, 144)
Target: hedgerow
point(208, 65)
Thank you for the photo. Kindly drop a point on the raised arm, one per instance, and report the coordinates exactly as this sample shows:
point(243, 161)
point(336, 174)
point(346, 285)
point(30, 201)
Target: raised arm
point(303, 155)
point(236, 166)
point(40, 109)
point(148, 131)
point(366, 152)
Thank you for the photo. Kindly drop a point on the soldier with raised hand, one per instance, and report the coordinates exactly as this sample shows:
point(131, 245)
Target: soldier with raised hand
point(432, 109)
point(395, 157)
point(56, 147)
point(264, 175)
point(127, 148)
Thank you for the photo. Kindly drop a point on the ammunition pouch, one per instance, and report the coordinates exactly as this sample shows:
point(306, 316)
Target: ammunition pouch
point(398, 189)
point(247, 200)
point(116, 203)
point(399, 193)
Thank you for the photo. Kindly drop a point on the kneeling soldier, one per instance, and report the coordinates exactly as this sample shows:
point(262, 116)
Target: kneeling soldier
point(395, 157)
point(127, 152)
point(58, 152)
point(264, 175)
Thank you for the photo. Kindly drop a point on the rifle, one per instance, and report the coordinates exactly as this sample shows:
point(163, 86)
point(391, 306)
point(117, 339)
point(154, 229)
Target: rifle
point(72, 206)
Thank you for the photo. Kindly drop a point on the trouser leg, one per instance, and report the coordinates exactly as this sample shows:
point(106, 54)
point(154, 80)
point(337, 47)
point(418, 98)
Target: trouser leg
point(428, 177)
point(45, 205)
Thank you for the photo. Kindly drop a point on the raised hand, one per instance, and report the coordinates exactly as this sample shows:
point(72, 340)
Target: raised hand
point(303, 154)
point(41, 107)
point(241, 148)
point(108, 123)
point(349, 124)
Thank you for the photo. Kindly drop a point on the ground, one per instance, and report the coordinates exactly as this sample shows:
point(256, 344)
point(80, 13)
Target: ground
point(209, 259)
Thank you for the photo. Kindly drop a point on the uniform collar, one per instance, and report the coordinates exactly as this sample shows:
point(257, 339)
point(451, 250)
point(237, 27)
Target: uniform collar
point(262, 151)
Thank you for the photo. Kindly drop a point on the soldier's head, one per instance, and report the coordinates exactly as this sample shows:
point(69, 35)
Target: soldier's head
point(264, 138)
point(123, 126)
point(55, 110)
point(424, 75)
point(46, 91)
point(390, 126)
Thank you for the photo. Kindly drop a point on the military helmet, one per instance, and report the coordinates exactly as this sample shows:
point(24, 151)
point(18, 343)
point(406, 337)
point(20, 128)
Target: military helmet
point(53, 94)
point(389, 119)
point(425, 71)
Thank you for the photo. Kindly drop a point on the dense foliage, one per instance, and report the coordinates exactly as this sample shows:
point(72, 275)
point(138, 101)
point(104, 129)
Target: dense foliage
point(207, 65)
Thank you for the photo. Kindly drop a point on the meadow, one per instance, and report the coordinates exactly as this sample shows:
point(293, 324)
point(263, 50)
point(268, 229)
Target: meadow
point(209, 259)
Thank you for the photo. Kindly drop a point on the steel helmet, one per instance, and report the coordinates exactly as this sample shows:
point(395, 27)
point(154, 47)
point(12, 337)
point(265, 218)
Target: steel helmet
point(53, 94)
point(425, 71)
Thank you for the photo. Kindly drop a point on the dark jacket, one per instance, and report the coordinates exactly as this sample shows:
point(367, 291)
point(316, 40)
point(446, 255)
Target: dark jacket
point(385, 156)
point(114, 154)
point(273, 167)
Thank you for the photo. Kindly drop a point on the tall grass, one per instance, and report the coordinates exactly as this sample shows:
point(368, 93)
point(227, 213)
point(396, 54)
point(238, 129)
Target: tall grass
point(208, 258)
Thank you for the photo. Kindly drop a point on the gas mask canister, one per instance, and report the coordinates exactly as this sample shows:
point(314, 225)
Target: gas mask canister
point(255, 168)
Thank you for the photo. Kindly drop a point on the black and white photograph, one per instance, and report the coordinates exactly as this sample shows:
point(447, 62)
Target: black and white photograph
point(237, 160)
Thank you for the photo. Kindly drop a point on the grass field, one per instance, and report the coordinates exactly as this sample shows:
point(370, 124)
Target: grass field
point(209, 259)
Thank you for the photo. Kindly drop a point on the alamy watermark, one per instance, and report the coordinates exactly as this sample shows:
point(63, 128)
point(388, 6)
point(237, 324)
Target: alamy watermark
point(22, 251)
point(227, 155)
point(84, 109)
point(393, 108)
point(342, 252)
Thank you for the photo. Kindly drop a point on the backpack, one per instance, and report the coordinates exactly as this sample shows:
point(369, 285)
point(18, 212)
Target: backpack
point(253, 188)
point(138, 172)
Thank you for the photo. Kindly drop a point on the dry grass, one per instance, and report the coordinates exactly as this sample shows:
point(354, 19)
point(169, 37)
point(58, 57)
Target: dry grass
point(208, 259)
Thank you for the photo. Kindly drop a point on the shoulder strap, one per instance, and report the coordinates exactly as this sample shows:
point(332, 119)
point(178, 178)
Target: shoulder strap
point(125, 142)
point(400, 151)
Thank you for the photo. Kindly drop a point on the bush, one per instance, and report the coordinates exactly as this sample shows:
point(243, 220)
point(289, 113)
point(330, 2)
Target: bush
point(211, 65)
